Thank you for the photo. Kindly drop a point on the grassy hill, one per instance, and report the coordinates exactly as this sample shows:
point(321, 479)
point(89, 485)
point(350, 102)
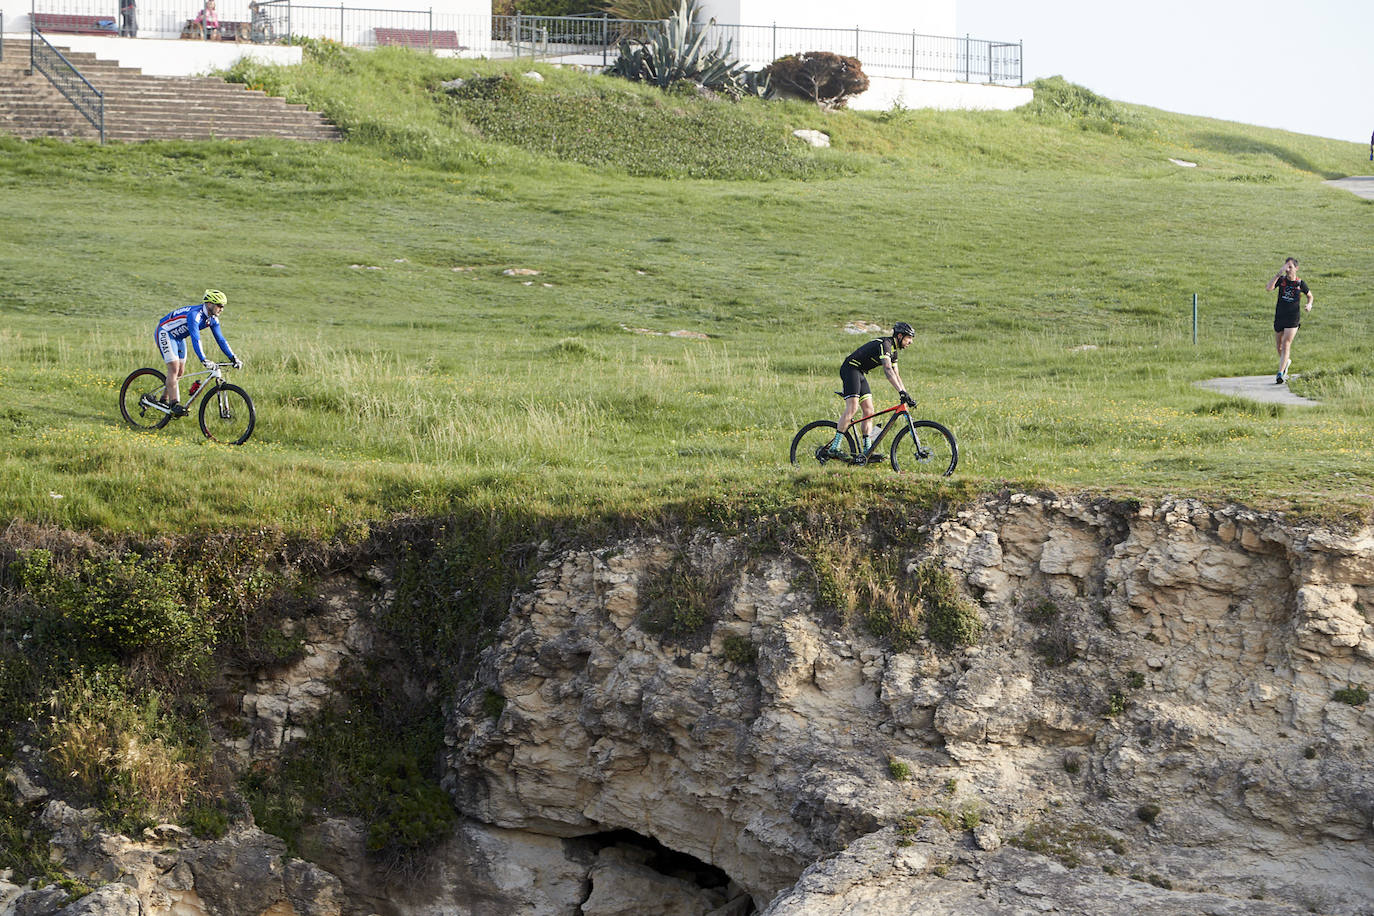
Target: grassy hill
point(1047, 256)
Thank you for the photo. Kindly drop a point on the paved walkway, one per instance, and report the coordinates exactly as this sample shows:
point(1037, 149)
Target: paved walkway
point(1256, 388)
point(1363, 185)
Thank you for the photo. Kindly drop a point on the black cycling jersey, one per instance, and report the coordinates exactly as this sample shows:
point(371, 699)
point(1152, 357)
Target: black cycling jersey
point(870, 355)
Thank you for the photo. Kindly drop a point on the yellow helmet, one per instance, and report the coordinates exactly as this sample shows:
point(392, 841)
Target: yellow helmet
point(215, 297)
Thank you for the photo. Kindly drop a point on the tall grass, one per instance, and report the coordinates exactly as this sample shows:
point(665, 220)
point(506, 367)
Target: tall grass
point(1047, 261)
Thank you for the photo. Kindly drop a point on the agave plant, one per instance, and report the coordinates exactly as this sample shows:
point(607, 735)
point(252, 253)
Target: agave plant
point(678, 52)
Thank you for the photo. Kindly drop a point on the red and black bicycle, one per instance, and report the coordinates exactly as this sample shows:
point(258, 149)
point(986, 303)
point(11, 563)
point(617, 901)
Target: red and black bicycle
point(918, 446)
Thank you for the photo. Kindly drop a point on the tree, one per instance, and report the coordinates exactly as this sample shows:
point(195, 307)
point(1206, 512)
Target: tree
point(827, 79)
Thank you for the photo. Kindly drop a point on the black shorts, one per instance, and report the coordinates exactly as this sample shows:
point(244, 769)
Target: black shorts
point(1287, 318)
point(853, 382)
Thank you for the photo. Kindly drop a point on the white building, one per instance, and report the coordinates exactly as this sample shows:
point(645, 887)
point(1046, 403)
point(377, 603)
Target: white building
point(926, 17)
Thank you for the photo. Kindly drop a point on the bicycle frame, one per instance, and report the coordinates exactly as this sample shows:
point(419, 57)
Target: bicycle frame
point(216, 374)
point(882, 433)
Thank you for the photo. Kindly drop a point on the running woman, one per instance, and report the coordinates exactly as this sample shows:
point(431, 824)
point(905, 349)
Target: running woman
point(1287, 313)
point(880, 351)
point(172, 332)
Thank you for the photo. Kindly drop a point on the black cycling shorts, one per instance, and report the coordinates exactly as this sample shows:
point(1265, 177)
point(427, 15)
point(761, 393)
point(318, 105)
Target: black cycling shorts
point(853, 382)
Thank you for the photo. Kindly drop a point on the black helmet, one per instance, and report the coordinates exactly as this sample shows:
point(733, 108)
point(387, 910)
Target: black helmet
point(902, 327)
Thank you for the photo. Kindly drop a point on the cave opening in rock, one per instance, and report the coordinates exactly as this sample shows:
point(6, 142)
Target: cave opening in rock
point(631, 864)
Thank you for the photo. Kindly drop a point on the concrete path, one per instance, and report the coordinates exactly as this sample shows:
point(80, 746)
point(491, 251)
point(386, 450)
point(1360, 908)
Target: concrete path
point(1363, 185)
point(1256, 388)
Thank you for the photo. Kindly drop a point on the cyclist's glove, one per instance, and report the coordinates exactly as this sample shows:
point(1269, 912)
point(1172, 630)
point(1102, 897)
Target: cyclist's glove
point(906, 399)
point(237, 363)
point(209, 365)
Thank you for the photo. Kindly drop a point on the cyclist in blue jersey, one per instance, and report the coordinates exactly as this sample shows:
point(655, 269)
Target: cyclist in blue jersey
point(172, 333)
point(881, 351)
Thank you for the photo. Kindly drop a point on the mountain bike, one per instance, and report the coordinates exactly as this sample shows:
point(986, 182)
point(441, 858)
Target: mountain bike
point(226, 412)
point(919, 446)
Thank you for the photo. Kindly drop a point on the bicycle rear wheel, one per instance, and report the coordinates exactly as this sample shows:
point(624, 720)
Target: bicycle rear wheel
point(227, 415)
point(931, 450)
point(143, 383)
point(809, 445)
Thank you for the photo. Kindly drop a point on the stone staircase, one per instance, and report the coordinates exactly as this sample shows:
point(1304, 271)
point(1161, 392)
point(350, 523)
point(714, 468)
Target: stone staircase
point(141, 107)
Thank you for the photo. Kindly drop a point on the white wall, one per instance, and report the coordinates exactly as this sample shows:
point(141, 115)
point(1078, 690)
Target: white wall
point(170, 57)
point(885, 92)
point(928, 17)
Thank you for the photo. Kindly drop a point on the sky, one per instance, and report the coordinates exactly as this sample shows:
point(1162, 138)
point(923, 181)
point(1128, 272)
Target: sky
point(1301, 65)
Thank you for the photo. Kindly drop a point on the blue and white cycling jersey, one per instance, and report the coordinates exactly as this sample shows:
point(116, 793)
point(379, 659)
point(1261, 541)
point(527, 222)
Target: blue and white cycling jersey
point(175, 327)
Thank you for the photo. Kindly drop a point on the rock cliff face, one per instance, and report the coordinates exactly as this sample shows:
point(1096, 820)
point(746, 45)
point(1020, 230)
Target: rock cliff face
point(1163, 715)
point(1151, 717)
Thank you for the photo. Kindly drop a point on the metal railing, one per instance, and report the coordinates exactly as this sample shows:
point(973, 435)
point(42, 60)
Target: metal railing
point(900, 54)
point(583, 40)
point(47, 60)
point(569, 36)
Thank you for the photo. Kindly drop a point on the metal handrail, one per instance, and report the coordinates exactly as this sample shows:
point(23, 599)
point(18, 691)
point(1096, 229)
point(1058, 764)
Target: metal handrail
point(62, 73)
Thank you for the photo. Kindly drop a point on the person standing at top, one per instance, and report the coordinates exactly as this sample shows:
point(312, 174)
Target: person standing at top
point(1287, 313)
point(207, 20)
point(128, 18)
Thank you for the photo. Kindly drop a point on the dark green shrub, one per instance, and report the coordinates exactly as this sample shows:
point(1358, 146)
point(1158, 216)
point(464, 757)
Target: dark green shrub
point(830, 80)
point(1355, 696)
point(1148, 813)
point(119, 609)
point(206, 818)
point(740, 650)
point(951, 619)
point(677, 601)
point(493, 704)
point(415, 813)
point(541, 7)
point(23, 843)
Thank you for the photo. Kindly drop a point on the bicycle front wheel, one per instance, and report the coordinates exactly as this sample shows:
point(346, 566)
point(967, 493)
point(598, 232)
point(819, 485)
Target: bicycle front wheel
point(809, 446)
point(925, 447)
point(142, 386)
point(227, 415)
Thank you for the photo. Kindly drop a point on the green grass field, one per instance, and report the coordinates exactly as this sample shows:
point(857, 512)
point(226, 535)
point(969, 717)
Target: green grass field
point(1048, 258)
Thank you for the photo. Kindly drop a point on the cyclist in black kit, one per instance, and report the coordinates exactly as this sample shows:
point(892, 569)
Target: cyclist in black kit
point(1288, 313)
point(881, 351)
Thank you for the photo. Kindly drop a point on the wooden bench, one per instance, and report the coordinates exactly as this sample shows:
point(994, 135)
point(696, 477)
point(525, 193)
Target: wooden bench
point(75, 25)
point(423, 39)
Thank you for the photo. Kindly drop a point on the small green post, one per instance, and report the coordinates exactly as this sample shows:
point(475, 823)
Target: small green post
point(1194, 319)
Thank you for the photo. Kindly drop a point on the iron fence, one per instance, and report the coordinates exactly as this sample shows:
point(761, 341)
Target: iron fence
point(582, 40)
point(571, 38)
point(898, 54)
point(88, 100)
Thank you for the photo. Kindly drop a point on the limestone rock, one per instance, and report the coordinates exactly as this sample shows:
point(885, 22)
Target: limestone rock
point(1155, 681)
